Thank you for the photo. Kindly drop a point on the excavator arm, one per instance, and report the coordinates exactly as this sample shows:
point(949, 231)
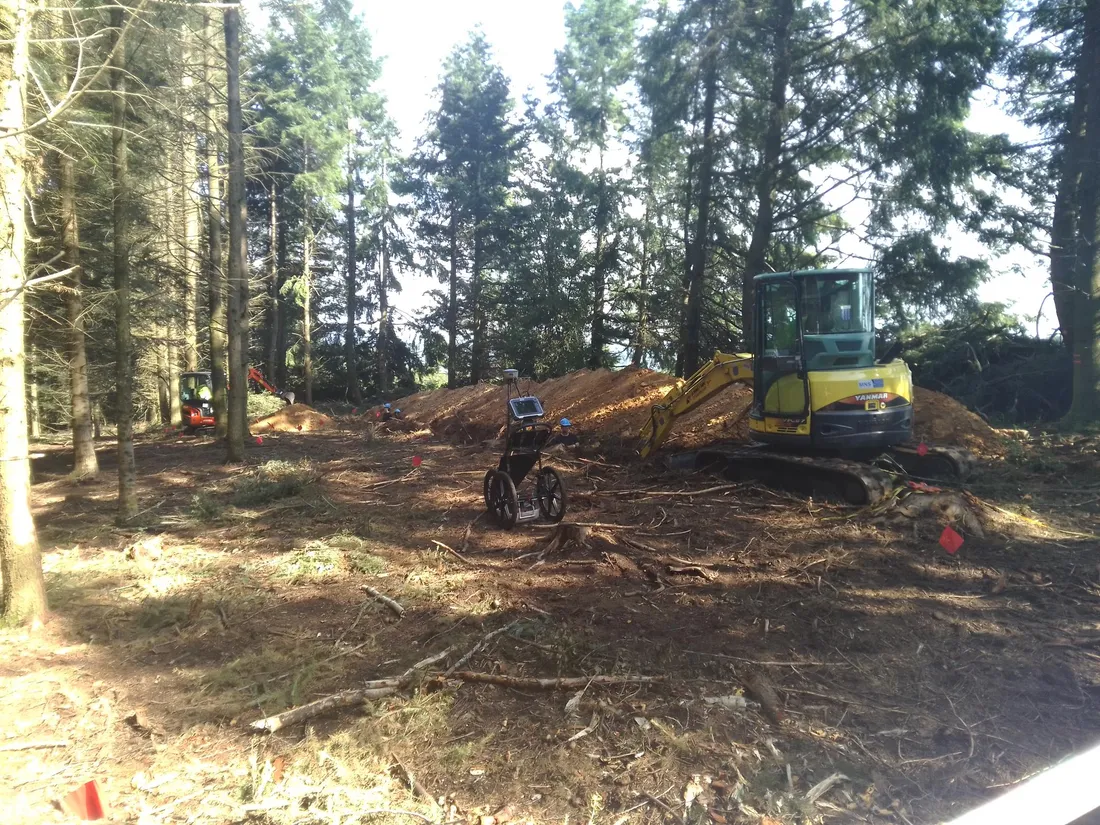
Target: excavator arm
point(713, 377)
point(258, 377)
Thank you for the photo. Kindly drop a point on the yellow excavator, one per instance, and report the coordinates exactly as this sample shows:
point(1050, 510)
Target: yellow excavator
point(827, 416)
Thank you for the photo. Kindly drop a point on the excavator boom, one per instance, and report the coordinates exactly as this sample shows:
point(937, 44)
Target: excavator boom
point(718, 373)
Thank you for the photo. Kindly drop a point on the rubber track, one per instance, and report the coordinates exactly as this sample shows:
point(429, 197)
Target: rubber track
point(853, 481)
point(932, 462)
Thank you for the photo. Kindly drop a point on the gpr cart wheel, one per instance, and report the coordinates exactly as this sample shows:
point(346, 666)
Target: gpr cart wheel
point(503, 502)
point(551, 495)
point(488, 481)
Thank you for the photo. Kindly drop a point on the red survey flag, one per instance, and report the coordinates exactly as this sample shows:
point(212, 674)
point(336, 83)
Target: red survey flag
point(950, 540)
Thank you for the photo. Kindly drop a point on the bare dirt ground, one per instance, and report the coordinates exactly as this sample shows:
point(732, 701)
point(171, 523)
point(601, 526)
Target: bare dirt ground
point(796, 641)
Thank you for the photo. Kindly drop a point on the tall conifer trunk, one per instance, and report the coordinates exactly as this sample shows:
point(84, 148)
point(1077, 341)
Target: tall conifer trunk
point(452, 303)
point(350, 357)
point(189, 209)
point(764, 227)
point(697, 262)
point(238, 244)
point(214, 266)
point(85, 462)
point(23, 589)
point(124, 367)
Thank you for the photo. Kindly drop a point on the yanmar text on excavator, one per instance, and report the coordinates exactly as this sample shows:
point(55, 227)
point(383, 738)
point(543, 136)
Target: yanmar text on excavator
point(823, 403)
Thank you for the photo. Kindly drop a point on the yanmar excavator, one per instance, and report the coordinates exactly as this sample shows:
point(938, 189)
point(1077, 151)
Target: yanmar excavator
point(196, 397)
point(828, 418)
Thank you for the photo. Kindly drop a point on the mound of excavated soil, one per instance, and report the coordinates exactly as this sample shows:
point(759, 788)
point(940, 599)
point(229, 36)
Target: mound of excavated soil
point(615, 404)
point(600, 403)
point(940, 419)
point(294, 418)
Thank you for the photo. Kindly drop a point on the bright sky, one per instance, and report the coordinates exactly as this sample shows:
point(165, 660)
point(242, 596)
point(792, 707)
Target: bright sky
point(415, 36)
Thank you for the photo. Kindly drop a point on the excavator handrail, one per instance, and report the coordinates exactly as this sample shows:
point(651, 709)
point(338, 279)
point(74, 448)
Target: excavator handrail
point(717, 374)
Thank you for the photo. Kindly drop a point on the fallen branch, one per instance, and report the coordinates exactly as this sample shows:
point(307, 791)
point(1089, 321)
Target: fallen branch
point(374, 689)
point(414, 783)
point(599, 524)
point(386, 600)
point(563, 683)
point(378, 484)
point(481, 645)
point(466, 532)
point(453, 552)
point(343, 699)
point(690, 570)
point(30, 746)
point(680, 493)
point(824, 786)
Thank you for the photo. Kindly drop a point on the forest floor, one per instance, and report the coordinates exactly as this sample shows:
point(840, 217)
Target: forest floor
point(797, 642)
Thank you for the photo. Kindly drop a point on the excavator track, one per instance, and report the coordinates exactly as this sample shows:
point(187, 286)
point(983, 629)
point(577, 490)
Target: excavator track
point(933, 462)
point(820, 477)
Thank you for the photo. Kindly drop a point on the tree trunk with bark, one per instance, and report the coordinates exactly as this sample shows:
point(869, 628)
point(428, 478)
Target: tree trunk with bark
point(1086, 353)
point(189, 209)
point(599, 274)
point(214, 268)
point(641, 332)
point(307, 307)
point(273, 308)
point(23, 588)
point(34, 409)
point(238, 245)
point(169, 295)
point(350, 356)
point(764, 226)
point(383, 345)
point(693, 305)
point(477, 312)
point(452, 305)
point(282, 332)
point(124, 366)
point(685, 220)
point(1063, 227)
point(85, 463)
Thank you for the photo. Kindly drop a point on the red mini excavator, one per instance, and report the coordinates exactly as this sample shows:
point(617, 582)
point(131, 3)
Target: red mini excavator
point(197, 397)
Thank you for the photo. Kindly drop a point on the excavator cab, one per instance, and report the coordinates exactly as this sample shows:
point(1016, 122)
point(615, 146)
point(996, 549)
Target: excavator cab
point(196, 400)
point(815, 379)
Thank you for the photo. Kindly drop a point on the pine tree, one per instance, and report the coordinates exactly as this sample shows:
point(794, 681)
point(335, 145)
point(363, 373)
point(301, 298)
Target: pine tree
point(237, 208)
point(591, 73)
point(124, 367)
point(23, 590)
point(459, 178)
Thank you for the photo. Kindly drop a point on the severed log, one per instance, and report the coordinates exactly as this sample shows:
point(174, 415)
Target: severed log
point(343, 699)
point(386, 600)
point(563, 683)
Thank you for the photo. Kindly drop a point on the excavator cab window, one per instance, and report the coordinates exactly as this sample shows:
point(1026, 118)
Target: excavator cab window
point(779, 365)
point(838, 322)
point(195, 387)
